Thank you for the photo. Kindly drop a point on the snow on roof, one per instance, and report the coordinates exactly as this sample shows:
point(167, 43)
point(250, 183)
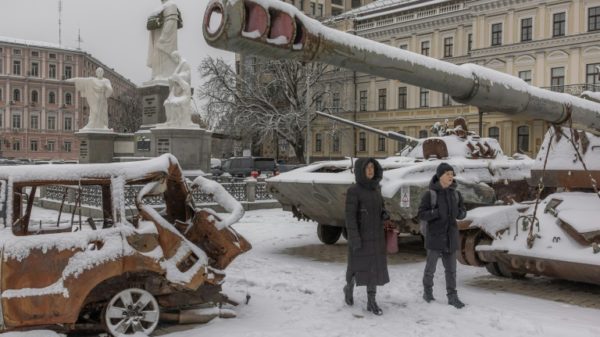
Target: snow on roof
point(31, 43)
point(130, 170)
point(577, 207)
point(385, 7)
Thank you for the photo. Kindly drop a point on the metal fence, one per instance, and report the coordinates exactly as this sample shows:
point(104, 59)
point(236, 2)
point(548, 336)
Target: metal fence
point(92, 195)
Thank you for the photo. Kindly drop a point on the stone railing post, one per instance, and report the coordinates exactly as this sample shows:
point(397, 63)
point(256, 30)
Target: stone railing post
point(251, 189)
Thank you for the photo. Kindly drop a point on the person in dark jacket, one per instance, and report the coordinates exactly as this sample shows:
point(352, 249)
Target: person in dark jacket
point(441, 235)
point(365, 214)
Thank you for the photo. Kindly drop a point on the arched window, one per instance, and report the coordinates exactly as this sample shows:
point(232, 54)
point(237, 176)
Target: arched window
point(68, 98)
point(17, 95)
point(523, 138)
point(34, 96)
point(51, 97)
point(494, 132)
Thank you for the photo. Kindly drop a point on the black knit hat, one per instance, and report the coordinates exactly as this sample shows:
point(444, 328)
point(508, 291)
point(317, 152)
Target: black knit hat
point(443, 168)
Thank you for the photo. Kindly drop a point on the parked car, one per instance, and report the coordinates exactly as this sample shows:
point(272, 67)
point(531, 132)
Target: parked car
point(121, 273)
point(244, 166)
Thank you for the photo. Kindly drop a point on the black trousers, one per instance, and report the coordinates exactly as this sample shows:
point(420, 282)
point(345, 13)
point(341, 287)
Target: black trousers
point(449, 262)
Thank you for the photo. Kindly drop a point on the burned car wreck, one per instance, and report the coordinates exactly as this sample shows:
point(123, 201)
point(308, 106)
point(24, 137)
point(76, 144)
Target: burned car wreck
point(122, 273)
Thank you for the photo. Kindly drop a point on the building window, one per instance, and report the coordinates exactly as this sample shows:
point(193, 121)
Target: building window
point(494, 132)
point(16, 95)
point(16, 121)
point(52, 71)
point(592, 77)
point(448, 46)
point(526, 29)
point(446, 101)
point(68, 98)
point(34, 122)
point(68, 125)
point(363, 101)
point(318, 142)
point(469, 42)
point(423, 134)
point(423, 97)
point(402, 98)
point(525, 76)
point(336, 101)
point(335, 143)
point(382, 99)
point(557, 79)
point(16, 67)
point(381, 143)
point(558, 24)
point(33, 145)
point(496, 34)
point(401, 143)
point(594, 19)
point(67, 146)
point(68, 72)
point(16, 145)
point(34, 96)
point(50, 146)
point(51, 124)
point(51, 97)
point(362, 142)
point(425, 48)
point(523, 138)
point(35, 69)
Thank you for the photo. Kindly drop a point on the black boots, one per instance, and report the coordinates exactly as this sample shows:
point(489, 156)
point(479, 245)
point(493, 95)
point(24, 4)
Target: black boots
point(348, 296)
point(428, 294)
point(454, 301)
point(372, 304)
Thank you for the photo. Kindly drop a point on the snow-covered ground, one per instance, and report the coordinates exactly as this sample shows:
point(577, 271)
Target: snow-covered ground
point(296, 288)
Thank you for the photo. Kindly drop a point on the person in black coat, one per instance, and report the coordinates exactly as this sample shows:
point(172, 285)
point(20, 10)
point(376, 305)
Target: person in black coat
point(367, 257)
point(441, 234)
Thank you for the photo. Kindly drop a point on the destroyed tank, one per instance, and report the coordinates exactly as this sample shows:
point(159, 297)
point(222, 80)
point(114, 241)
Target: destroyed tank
point(274, 29)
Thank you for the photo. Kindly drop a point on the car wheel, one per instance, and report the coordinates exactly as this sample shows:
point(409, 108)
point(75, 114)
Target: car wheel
point(131, 311)
point(329, 234)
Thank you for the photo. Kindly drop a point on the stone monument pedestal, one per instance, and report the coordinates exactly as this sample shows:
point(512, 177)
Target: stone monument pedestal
point(192, 146)
point(153, 110)
point(96, 146)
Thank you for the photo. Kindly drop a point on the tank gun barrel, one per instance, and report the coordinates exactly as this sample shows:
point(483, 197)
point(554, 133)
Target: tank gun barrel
point(274, 29)
point(388, 134)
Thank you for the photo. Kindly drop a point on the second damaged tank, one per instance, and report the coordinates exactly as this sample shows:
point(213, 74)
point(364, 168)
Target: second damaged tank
point(484, 175)
point(274, 29)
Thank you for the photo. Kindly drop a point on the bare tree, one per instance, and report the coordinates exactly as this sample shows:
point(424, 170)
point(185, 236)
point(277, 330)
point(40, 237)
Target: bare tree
point(265, 98)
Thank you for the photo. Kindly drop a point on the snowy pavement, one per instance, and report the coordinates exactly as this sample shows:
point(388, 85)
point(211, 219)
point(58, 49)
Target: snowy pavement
point(295, 283)
point(296, 288)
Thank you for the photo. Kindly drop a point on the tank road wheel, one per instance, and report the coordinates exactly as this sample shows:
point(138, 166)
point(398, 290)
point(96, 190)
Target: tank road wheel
point(329, 234)
point(130, 311)
point(493, 269)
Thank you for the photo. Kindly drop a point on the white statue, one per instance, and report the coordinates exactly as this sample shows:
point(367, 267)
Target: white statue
point(178, 106)
point(163, 24)
point(96, 90)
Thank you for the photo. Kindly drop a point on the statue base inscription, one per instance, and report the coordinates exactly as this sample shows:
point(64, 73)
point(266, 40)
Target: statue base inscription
point(96, 147)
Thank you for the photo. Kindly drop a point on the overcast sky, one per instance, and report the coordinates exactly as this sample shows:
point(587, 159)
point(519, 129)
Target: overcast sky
point(114, 31)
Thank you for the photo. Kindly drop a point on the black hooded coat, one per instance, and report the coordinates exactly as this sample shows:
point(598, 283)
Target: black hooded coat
point(442, 230)
point(367, 257)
